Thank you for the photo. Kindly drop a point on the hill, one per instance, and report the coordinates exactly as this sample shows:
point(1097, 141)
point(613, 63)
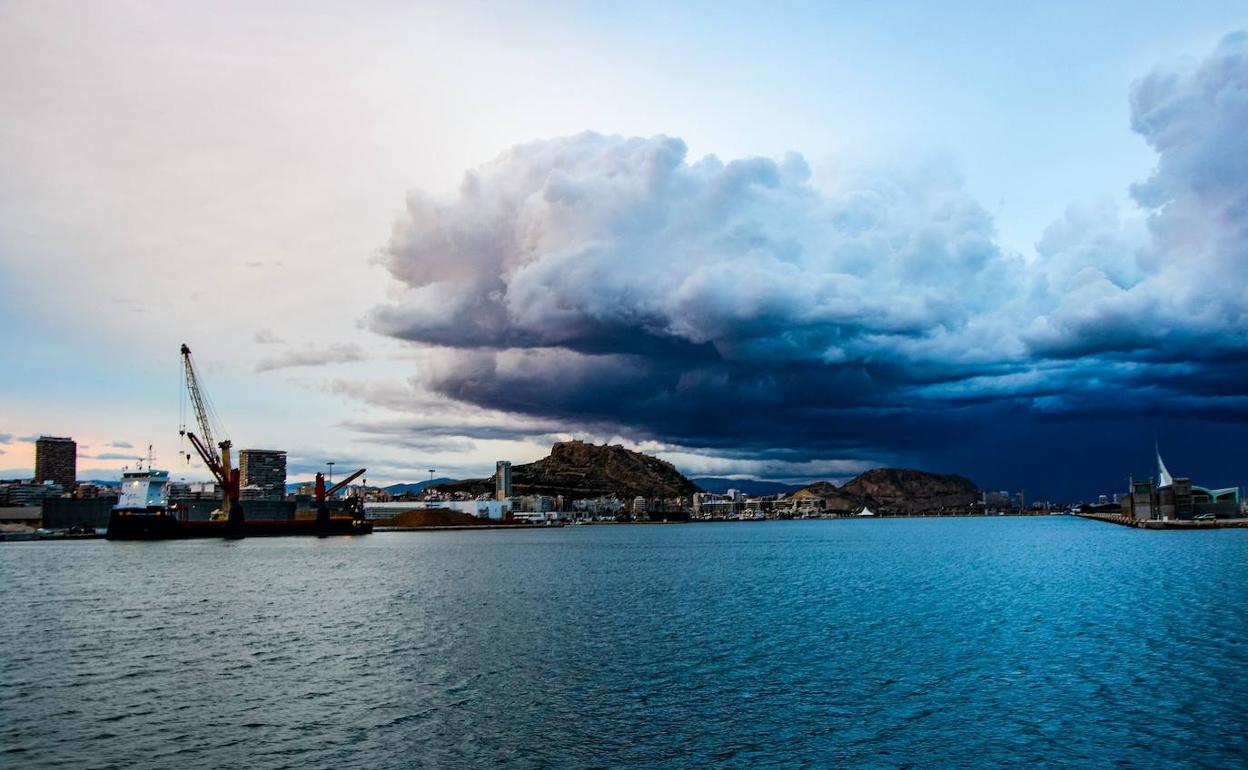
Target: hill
point(834, 498)
point(896, 490)
point(578, 470)
point(910, 491)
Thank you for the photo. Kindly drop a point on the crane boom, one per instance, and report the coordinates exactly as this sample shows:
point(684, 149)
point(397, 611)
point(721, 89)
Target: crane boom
point(200, 407)
point(341, 484)
point(209, 458)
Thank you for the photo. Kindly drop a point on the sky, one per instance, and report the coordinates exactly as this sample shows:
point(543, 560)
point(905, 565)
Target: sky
point(784, 241)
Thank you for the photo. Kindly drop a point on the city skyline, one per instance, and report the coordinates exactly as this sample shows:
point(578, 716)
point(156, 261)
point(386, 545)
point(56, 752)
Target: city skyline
point(1005, 247)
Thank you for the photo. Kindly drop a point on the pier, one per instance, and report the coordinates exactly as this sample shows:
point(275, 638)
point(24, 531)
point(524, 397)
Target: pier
point(1186, 524)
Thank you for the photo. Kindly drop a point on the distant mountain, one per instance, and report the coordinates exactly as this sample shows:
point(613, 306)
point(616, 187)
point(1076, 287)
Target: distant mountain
point(895, 490)
point(414, 488)
point(751, 487)
point(578, 470)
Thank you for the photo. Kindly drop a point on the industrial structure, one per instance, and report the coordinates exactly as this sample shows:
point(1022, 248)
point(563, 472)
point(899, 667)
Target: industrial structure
point(217, 462)
point(172, 518)
point(56, 460)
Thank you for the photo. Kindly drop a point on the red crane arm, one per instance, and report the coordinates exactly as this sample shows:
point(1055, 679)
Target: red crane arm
point(209, 458)
point(335, 488)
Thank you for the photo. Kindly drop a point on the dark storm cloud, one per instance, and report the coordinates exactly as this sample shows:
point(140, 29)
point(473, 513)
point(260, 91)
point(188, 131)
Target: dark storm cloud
point(738, 307)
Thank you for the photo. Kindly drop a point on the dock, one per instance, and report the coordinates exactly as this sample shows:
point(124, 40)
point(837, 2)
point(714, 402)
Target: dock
point(1182, 524)
point(464, 527)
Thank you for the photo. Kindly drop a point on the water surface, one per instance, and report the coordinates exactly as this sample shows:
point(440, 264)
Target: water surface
point(889, 643)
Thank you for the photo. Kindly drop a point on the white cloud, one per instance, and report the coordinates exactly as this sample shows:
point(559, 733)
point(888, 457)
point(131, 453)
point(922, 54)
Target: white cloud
point(312, 356)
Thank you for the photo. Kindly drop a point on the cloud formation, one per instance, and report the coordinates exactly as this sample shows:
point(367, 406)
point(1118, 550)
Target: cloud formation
point(311, 356)
point(110, 456)
point(606, 280)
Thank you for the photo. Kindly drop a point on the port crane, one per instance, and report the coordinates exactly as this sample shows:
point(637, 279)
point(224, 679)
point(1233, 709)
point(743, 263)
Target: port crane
point(215, 454)
point(323, 494)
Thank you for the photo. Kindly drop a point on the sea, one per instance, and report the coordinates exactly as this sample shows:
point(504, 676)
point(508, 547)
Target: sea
point(891, 643)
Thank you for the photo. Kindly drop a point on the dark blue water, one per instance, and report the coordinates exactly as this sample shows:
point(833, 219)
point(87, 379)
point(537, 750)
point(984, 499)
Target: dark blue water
point(910, 643)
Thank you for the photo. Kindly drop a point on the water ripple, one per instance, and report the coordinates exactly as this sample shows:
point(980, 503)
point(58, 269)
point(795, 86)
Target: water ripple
point(973, 643)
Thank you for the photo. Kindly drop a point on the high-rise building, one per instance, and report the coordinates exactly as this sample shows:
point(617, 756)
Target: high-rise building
point(502, 480)
point(265, 471)
point(56, 460)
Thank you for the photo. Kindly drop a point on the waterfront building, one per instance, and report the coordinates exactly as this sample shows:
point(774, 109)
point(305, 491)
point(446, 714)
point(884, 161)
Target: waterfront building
point(264, 472)
point(21, 518)
point(502, 480)
point(533, 504)
point(708, 505)
point(21, 493)
point(598, 508)
point(1171, 497)
point(56, 460)
point(496, 510)
point(92, 491)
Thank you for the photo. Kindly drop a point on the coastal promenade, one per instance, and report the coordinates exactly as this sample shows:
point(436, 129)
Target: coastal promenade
point(1187, 524)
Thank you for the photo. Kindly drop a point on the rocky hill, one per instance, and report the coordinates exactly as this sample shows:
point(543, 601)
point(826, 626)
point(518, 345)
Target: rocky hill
point(835, 499)
point(577, 470)
point(896, 490)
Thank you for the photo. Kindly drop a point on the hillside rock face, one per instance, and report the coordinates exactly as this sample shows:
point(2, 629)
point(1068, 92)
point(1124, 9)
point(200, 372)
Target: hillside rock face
point(897, 490)
point(578, 470)
point(834, 498)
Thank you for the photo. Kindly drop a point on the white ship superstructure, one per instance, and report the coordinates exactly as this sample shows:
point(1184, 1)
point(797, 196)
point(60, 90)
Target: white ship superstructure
point(144, 489)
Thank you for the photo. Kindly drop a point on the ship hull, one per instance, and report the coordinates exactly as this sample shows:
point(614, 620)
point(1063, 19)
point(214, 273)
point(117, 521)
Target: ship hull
point(164, 526)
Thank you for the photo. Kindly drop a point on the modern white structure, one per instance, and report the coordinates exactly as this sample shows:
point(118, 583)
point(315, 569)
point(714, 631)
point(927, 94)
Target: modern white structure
point(143, 489)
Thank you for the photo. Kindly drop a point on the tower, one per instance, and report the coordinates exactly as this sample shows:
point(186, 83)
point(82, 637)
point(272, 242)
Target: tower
point(56, 460)
point(502, 480)
point(264, 469)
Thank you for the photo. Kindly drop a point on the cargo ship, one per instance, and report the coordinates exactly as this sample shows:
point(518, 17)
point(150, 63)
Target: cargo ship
point(143, 512)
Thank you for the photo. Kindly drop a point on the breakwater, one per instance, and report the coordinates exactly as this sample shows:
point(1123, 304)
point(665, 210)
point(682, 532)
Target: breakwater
point(1185, 524)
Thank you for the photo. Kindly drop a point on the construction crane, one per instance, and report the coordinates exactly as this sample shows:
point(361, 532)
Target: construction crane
point(217, 462)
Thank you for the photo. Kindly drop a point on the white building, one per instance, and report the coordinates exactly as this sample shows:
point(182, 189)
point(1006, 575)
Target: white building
point(496, 510)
